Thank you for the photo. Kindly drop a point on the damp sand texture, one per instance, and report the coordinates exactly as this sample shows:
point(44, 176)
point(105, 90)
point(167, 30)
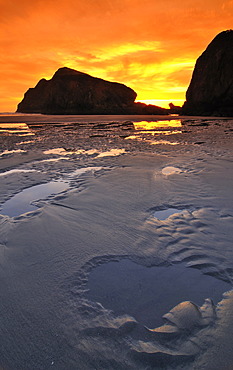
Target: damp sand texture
point(106, 216)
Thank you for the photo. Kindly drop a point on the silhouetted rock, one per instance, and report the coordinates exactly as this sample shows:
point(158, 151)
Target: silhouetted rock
point(73, 92)
point(144, 109)
point(211, 88)
point(174, 109)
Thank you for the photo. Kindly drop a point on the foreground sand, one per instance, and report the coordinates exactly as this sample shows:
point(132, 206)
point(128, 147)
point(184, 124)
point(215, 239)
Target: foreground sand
point(114, 180)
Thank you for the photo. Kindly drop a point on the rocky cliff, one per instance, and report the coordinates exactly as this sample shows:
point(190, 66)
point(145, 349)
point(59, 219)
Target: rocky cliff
point(211, 88)
point(73, 92)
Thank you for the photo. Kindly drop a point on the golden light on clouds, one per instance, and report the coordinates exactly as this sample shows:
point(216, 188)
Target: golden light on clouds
point(151, 46)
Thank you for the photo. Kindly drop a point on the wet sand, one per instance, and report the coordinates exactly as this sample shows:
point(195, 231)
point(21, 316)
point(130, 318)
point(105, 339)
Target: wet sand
point(116, 177)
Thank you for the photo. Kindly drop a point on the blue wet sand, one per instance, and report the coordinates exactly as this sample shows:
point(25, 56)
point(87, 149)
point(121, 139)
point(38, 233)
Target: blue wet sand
point(147, 293)
point(21, 202)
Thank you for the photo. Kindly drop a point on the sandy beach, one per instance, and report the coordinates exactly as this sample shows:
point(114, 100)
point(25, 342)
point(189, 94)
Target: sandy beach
point(107, 224)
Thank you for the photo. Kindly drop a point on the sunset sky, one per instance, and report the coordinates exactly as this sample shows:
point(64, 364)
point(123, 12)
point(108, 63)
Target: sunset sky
point(149, 45)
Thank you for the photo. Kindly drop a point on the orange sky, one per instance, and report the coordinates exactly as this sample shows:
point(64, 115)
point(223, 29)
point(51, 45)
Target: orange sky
point(149, 45)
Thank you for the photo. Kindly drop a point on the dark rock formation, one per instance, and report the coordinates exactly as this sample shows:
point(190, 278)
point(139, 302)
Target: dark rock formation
point(174, 109)
point(211, 88)
point(73, 92)
point(144, 109)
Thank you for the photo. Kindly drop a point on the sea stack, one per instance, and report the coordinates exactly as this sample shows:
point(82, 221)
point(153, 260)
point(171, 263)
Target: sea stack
point(73, 92)
point(210, 92)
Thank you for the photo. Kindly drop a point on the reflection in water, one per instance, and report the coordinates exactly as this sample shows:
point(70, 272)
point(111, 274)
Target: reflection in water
point(81, 171)
point(53, 159)
point(90, 151)
point(140, 135)
point(165, 213)
point(22, 202)
point(164, 142)
point(10, 172)
point(145, 125)
point(6, 152)
point(170, 170)
point(163, 132)
point(57, 151)
point(147, 293)
point(111, 153)
point(21, 129)
point(62, 151)
point(133, 137)
point(26, 142)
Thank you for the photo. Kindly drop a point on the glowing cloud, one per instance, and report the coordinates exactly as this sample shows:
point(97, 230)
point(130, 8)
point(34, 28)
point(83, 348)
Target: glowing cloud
point(150, 46)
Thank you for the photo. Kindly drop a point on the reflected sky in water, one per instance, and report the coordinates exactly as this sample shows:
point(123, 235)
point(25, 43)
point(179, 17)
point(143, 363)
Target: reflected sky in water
point(21, 129)
point(139, 136)
point(147, 293)
point(165, 213)
point(6, 152)
point(25, 142)
point(15, 170)
point(163, 132)
point(153, 125)
point(164, 142)
point(170, 170)
point(153, 128)
point(111, 153)
point(22, 202)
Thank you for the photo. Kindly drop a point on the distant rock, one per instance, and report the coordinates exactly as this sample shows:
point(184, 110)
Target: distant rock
point(211, 88)
point(174, 109)
point(73, 92)
point(144, 109)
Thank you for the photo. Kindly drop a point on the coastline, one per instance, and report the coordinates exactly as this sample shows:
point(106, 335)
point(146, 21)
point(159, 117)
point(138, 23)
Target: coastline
point(114, 184)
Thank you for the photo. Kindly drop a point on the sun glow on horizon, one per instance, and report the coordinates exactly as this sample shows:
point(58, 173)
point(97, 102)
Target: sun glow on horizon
point(140, 45)
point(163, 103)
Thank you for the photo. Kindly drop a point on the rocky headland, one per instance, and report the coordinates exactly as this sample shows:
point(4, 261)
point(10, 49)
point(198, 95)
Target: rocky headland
point(73, 92)
point(210, 92)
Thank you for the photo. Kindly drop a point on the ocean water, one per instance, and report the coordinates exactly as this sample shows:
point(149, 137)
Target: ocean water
point(128, 264)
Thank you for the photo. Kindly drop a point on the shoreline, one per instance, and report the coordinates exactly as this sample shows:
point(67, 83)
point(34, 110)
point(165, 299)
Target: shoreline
point(115, 180)
point(85, 118)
